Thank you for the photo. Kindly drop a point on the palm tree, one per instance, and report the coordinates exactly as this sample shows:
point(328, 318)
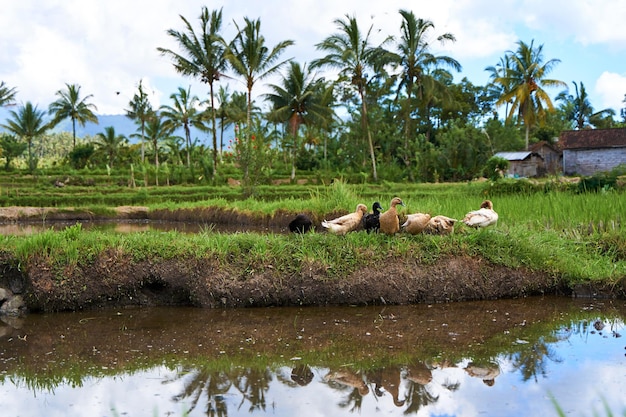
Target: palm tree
point(251, 59)
point(71, 105)
point(416, 59)
point(28, 123)
point(527, 78)
point(110, 143)
point(499, 71)
point(223, 112)
point(578, 108)
point(7, 95)
point(202, 57)
point(140, 110)
point(159, 129)
point(351, 53)
point(183, 113)
point(298, 101)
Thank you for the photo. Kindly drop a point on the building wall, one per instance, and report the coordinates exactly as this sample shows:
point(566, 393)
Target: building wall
point(590, 161)
point(530, 167)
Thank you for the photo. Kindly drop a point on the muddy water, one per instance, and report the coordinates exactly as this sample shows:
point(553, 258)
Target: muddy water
point(501, 358)
point(133, 226)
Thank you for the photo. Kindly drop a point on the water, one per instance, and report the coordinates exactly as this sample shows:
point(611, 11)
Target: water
point(134, 226)
point(490, 358)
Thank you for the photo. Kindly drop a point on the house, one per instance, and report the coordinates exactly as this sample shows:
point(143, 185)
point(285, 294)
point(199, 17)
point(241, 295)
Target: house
point(523, 164)
point(588, 151)
point(551, 154)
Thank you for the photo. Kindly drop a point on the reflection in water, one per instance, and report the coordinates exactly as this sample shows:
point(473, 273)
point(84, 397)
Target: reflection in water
point(133, 226)
point(493, 358)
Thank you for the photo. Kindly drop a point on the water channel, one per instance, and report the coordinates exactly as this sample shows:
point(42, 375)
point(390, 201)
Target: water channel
point(489, 358)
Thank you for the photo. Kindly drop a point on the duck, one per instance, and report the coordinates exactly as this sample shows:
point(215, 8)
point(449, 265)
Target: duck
point(415, 223)
point(301, 224)
point(483, 217)
point(347, 223)
point(389, 222)
point(440, 225)
point(371, 221)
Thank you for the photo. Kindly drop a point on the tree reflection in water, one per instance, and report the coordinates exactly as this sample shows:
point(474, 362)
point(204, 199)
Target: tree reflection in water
point(214, 384)
point(397, 364)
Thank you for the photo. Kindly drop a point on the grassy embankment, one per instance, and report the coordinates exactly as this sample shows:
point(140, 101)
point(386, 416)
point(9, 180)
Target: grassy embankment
point(577, 237)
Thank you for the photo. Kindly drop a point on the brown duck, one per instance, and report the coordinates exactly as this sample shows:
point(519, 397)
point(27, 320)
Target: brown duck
point(389, 222)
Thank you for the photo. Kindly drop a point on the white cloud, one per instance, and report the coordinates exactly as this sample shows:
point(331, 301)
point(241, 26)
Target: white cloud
point(109, 46)
point(611, 88)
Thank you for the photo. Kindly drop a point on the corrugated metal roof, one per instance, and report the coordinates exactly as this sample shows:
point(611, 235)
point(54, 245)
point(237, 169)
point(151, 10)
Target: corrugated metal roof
point(514, 156)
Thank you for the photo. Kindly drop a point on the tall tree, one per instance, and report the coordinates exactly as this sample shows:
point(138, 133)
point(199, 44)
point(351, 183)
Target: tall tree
point(110, 143)
point(526, 77)
point(297, 101)
point(28, 123)
point(416, 59)
point(223, 98)
point(183, 113)
point(7, 95)
point(71, 105)
point(140, 111)
point(499, 71)
point(252, 60)
point(158, 130)
point(11, 147)
point(350, 51)
point(202, 56)
point(578, 108)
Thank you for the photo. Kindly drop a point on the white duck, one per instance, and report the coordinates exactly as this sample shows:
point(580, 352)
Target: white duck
point(347, 223)
point(416, 223)
point(440, 225)
point(483, 217)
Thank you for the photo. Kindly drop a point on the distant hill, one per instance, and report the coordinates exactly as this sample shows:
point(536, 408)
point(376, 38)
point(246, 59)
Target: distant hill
point(122, 124)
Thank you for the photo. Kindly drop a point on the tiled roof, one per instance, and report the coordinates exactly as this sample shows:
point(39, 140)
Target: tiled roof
point(593, 138)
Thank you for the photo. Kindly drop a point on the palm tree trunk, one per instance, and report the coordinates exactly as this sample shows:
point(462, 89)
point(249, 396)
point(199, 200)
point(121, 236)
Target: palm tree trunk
point(74, 132)
point(527, 134)
point(213, 129)
point(369, 136)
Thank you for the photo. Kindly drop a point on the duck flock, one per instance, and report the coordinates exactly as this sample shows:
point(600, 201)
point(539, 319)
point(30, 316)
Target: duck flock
point(388, 222)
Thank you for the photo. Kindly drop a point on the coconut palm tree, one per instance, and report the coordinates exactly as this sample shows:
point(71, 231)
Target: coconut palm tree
point(416, 59)
point(159, 129)
point(221, 113)
point(7, 95)
point(252, 60)
point(578, 108)
point(140, 111)
point(71, 105)
point(527, 79)
point(183, 113)
point(202, 56)
point(350, 51)
point(110, 143)
point(499, 71)
point(28, 123)
point(298, 101)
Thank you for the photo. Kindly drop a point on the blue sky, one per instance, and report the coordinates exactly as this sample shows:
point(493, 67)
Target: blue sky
point(109, 46)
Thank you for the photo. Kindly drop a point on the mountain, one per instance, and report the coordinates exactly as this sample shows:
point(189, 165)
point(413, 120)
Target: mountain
point(122, 124)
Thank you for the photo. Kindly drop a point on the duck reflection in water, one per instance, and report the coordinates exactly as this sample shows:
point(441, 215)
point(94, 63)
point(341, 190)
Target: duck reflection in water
point(348, 378)
point(302, 375)
point(485, 371)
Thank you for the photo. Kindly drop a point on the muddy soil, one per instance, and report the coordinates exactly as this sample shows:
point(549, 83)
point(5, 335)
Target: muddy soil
point(114, 279)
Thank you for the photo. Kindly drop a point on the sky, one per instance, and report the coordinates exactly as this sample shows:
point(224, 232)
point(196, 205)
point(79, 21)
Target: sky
point(106, 47)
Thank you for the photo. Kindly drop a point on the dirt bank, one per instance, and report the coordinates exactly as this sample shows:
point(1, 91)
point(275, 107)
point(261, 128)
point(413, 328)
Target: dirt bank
point(114, 280)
